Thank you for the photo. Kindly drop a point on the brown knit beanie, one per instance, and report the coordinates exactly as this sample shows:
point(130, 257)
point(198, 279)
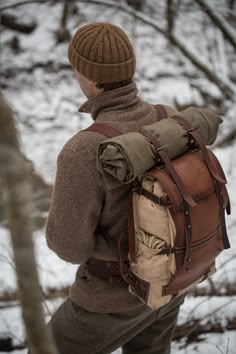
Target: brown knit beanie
point(102, 52)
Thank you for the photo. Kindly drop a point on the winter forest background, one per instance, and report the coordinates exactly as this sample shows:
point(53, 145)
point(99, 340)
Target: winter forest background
point(185, 56)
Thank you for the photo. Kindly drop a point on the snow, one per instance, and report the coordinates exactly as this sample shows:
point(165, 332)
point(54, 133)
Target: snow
point(210, 343)
point(54, 273)
point(11, 323)
point(46, 101)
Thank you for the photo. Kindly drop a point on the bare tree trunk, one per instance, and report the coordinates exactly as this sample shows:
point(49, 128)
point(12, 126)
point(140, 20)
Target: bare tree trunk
point(136, 4)
point(170, 15)
point(219, 22)
point(231, 4)
point(15, 174)
point(63, 33)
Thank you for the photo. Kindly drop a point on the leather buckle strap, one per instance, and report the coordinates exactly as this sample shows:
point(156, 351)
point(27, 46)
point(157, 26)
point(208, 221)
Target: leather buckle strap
point(106, 270)
point(161, 201)
point(162, 155)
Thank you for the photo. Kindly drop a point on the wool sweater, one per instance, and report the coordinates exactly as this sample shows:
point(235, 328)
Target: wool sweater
point(85, 219)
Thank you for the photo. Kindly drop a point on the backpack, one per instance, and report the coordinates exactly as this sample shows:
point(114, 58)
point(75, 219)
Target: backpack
point(176, 220)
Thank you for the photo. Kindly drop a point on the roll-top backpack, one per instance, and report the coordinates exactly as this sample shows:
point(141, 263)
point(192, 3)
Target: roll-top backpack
point(176, 221)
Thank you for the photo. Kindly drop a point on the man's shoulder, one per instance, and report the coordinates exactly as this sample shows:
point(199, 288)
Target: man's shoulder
point(84, 144)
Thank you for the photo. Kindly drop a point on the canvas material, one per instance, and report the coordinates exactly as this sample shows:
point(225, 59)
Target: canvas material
point(154, 230)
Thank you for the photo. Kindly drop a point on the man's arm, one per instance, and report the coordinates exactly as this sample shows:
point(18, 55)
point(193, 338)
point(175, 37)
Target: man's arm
point(75, 209)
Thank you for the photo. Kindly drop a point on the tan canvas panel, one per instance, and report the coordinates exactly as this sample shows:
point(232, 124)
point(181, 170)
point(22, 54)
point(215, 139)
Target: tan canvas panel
point(154, 230)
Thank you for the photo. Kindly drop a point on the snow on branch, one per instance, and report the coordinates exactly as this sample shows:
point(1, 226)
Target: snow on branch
point(219, 21)
point(222, 84)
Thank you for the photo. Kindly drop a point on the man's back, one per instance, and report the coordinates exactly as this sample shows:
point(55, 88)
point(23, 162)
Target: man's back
point(93, 217)
point(85, 219)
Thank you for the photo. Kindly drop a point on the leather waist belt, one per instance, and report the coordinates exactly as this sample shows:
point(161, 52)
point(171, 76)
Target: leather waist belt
point(106, 270)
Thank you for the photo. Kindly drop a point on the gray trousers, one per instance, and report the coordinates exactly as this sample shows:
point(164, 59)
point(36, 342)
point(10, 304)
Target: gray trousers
point(78, 331)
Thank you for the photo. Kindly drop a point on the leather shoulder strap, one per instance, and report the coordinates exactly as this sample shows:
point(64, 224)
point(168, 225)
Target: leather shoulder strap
point(111, 132)
point(104, 129)
point(161, 111)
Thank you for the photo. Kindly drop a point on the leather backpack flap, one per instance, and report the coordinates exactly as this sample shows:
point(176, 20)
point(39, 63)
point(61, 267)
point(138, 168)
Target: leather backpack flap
point(206, 231)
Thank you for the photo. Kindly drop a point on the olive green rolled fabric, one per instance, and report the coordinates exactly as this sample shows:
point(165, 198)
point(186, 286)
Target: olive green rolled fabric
point(123, 158)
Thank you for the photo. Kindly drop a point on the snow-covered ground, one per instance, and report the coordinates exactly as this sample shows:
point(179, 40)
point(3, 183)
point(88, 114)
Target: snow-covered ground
point(45, 97)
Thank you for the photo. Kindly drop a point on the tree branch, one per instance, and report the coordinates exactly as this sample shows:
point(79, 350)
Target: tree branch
point(224, 86)
point(227, 139)
point(170, 15)
point(63, 33)
point(17, 4)
point(219, 21)
point(16, 176)
point(13, 23)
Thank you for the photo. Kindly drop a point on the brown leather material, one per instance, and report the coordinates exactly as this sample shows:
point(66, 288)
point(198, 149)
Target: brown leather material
point(162, 201)
point(131, 229)
point(194, 245)
point(207, 238)
point(106, 270)
point(138, 286)
point(191, 168)
point(161, 155)
point(161, 111)
point(188, 232)
point(154, 142)
point(139, 189)
point(104, 129)
point(219, 192)
point(181, 187)
point(196, 198)
point(197, 138)
point(117, 273)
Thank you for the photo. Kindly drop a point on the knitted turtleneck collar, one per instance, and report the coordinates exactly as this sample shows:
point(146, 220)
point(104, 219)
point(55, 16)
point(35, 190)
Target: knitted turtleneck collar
point(122, 98)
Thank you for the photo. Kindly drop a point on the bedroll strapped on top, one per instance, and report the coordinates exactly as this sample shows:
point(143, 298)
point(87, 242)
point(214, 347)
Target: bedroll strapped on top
point(176, 219)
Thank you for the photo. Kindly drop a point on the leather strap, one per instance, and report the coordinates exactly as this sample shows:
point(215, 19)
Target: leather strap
point(222, 215)
point(106, 270)
point(188, 231)
point(161, 111)
point(198, 139)
point(111, 132)
point(161, 154)
point(104, 129)
point(162, 201)
point(131, 229)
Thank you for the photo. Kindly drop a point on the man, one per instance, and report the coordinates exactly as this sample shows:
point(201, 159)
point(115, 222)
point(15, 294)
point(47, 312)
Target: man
point(86, 219)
